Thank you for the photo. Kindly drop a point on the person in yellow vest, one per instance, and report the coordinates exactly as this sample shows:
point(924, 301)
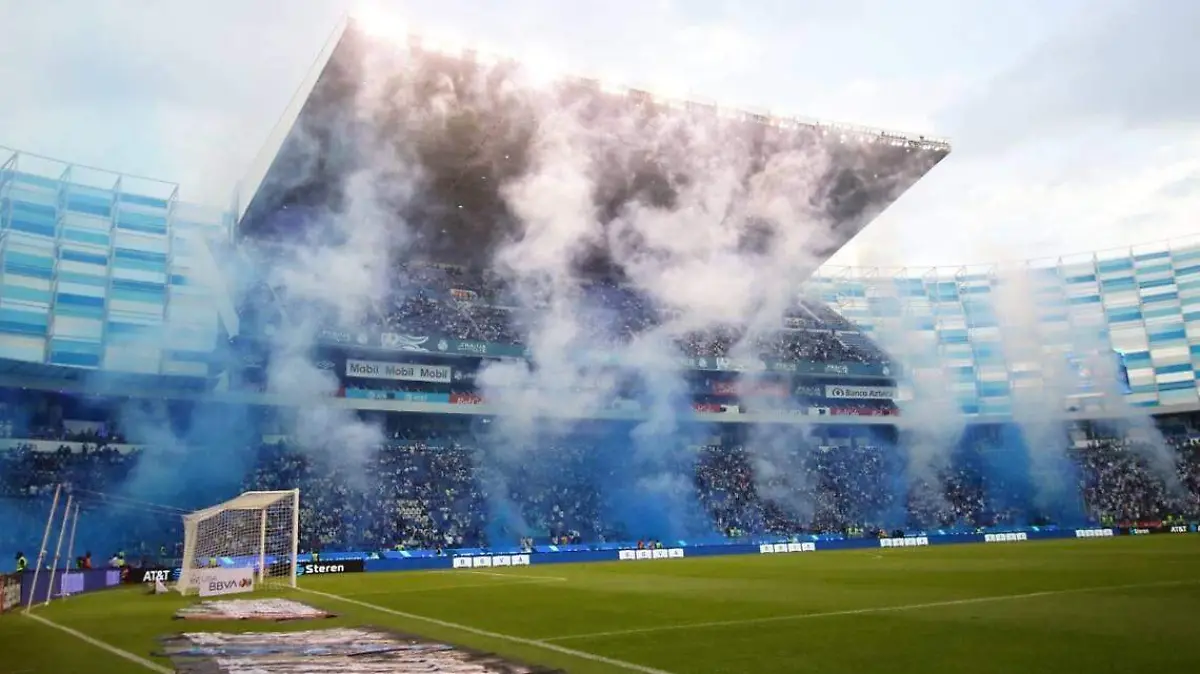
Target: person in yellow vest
point(22, 563)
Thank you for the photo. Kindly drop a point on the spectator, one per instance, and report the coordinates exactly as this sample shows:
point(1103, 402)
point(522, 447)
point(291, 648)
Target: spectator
point(440, 300)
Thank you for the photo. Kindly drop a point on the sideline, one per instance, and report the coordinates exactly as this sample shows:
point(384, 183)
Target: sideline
point(583, 655)
point(135, 659)
point(866, 611)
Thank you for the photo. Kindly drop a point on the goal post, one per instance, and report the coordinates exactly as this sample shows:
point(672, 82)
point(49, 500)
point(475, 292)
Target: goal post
point(259, 530)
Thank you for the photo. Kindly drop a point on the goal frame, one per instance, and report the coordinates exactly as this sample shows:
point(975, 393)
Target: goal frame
point(251, 501)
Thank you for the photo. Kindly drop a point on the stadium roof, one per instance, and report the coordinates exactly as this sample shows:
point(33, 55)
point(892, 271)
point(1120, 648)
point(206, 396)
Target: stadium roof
point(455, 115)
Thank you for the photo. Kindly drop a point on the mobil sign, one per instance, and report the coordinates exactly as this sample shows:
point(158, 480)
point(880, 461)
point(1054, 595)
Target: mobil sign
point(370, 369)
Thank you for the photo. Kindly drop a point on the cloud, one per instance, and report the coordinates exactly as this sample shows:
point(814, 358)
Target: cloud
point(1125, 68)
point(178, 92)
point(1085, 144)
point(1085, 191)
point(911, 102)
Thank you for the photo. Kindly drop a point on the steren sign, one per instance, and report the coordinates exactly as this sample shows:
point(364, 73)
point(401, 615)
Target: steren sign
point(370, 369)
point(324, 568)
point(339, 566)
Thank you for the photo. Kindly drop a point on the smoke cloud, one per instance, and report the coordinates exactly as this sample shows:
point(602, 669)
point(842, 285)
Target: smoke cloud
point(682, 255)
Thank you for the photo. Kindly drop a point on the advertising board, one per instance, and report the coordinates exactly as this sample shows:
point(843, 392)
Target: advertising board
point(490, 561)
point(860, 392)
point(151, 574)
point(327, 568)
point(658, 553)
point(372, 369)
point(220, 581)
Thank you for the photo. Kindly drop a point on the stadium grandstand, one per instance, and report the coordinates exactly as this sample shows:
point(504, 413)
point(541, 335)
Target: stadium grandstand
point(157, 357)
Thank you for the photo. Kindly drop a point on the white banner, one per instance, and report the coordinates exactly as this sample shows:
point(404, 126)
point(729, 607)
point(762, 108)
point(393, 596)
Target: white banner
point(370, 369)
point(10, 591)
point(861, 392)
point(251, 609)
point(490, 561)
point(657, 553)
point(906, 542)
point(771, 548)
point(216, 582)
point(1005, 538)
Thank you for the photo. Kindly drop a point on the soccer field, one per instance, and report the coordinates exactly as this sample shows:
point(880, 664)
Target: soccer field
point(1113, 605)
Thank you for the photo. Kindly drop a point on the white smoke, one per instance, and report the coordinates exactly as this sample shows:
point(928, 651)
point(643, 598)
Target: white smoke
point(779, 456)
point(1065, 364)
point(339, 269)
point(685, 256)
point(932, 421)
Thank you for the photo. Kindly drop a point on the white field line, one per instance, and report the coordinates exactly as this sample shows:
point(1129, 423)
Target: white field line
point(863, 611)
point(460, 586)
point(497, 574)
point(582, 655)
point(512, 578)
point(135, 659)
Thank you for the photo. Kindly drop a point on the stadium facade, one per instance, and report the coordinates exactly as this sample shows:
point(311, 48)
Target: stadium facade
point(103, 271)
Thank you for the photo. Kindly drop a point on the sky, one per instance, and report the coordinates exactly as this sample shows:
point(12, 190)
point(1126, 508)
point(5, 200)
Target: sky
point(1075, 123)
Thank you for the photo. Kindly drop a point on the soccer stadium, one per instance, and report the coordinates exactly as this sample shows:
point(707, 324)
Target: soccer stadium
point(481, 373)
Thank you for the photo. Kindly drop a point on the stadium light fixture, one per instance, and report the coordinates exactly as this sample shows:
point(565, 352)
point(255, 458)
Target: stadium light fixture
point(666, 93)
point(485, 55)
point(541, 67)
point(378, 22)
point(608, 85)
point(444, 43)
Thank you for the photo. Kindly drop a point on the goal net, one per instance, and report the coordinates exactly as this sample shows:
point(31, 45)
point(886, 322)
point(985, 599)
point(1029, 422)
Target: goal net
point(257, 530)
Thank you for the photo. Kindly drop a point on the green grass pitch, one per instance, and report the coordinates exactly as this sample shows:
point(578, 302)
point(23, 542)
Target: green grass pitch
point(1129, 605)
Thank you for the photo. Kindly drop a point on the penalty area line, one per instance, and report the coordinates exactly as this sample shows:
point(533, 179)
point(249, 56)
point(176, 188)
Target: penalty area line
point(863, 611)
point(121, 653)
point(582, 655)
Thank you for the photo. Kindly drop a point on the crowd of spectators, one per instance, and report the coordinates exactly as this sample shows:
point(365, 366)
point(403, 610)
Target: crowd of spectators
point(438, 483)
point(29, 475)
point(453, 302)
point(1116, 484)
